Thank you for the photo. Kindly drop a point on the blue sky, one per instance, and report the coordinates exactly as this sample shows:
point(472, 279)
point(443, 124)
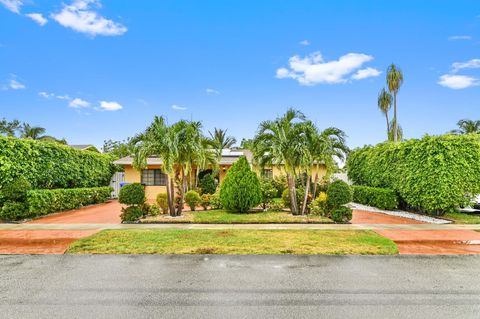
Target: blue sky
point(95, 70)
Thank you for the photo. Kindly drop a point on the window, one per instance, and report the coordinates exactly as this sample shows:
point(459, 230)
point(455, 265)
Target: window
point(153, 177)
point(267, 173)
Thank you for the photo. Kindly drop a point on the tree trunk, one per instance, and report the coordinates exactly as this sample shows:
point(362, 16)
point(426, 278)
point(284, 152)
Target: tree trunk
point(181, 186)
point(305, 199)
point(395, 132)
point(316, 181)
point(293, 194)
point(388, 126)
point(172, 196)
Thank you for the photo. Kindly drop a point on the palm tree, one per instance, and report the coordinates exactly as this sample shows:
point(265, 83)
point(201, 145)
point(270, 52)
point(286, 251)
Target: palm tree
point(9, 128)
point(394, 81)
point(384, 104)
point(32, 132)
point(220, 140)
point(467, 126)
point(283, 141)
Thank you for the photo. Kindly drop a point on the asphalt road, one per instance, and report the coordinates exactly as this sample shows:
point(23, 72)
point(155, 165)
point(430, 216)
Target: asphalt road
point(239, 287)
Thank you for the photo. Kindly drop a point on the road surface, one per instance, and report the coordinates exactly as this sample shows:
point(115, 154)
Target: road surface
point(75, 286)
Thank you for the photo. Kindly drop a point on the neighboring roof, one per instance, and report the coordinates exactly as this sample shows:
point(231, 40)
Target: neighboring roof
point(83, 146)
point(228, 158)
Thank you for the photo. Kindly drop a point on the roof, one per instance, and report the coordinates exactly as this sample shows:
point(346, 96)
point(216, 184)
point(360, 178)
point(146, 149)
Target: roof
point(228, 158)
point(82, 146)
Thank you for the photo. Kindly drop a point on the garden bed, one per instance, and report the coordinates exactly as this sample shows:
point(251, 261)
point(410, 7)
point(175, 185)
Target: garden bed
point(172, 241)
point(225, 217)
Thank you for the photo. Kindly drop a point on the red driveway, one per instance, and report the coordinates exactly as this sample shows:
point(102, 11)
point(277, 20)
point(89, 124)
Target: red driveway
point(58, 241)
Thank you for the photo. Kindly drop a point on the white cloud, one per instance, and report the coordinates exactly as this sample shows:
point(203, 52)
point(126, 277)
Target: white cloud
point(313, 69)
point(63, 97)
point(212, 92)
point(459, 37)
point(38, 18)
point(78, 103)
point(471, 64)
point(110, 106)
point(80, 17)
point(15, 85)
point(304, 42)
point(366, 73)
point(457, 82)
point(12, 5)
point(178, 108)
point(46, 95)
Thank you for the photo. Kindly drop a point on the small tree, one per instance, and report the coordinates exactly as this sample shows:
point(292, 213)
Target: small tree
point(208, 184)
point(240, 190)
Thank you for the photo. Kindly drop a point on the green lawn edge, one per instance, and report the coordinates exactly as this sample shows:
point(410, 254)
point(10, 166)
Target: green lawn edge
point(241, 242)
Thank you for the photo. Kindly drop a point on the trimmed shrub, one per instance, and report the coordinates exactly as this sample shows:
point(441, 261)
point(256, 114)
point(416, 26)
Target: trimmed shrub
point(341, 214)
point(132, 194)
point(192, 198)
point(276, 205)
point(153, 210)
point(205, 202)
point(162, 202)
point(44, 201)
point(16, 190)
point(338, 193)
point(208, 185)
point(52, 165)
point(240, 190)
point(432, 175)
point(269, 191)
point(215, 201)
point(300, 193)
point(131, 214)
point(382, 198)
point(319, 205)
point(13, 211)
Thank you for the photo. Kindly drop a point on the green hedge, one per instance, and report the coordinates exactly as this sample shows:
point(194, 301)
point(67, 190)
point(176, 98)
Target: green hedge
point(42, 202)
point(432, 175)
point(382, 198)
point(51, 165)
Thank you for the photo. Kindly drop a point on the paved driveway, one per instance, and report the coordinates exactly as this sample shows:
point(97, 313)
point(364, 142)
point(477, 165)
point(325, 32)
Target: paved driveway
point(58, 241)
point(203, 286)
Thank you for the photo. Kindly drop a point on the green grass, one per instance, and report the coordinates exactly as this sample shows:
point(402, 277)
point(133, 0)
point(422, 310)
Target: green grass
point(225, 217)
point(462, 218)
point(174, 241)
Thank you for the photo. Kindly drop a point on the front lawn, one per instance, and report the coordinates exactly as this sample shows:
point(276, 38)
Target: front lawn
point(225, 217)
point(462, 218)
point(174, 241)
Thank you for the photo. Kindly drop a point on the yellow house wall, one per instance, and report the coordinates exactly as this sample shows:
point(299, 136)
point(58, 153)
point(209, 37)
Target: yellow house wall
point(151, 192)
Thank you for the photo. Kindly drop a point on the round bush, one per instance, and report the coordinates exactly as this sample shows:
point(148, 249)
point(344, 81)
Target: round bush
point(162, 202)
point(132, 194)
point(13, 211)
point(338, 194)
point(16, 190)
point(208, 184)
point(192, 198)
point(205, 202)
point(341, 214)
point(131, 214)
point(215, 202)
point(240, 191)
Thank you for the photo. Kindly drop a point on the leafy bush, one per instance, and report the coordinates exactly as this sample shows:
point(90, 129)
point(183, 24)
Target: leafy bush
point(382, 198)
point(16, 190)
point(338, 193)
point(162, 202)
point(153, 210)
point(269, 191)
point(132, 194)
point(433, 175)
point(276, 205)
point(131, 214)
point(341, 214)
point(13, 211)
point(240, 190)
point(280, 183)
point(208, 184)
point(44, 201)
point(192, 198)
point(52, 165)
point(319, 205)
point(205, 202)
point(215, 201)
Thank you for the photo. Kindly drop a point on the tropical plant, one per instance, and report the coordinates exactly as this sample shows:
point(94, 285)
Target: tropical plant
point(384, 103)
point(394, 82)
point(467, 126)
point(284, 142)
point(162, 202)
point(221, 140)
point(208, 184)
point(205, 201)
point(118, 149)
point(9, 128)
point(192, 198)
point(240, 190)
point(269, 191)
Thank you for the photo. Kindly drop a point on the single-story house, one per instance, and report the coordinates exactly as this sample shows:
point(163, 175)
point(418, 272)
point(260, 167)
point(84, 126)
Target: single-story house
point(155, 180)
point(85, 147)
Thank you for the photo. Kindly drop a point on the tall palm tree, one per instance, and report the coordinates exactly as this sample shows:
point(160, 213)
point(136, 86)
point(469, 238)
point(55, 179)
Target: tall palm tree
point(220, 140)
point(9, 128)
point(467, 126)
point(384, 103)
point(32, 132)
point(394, 82)
point(283, 142)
